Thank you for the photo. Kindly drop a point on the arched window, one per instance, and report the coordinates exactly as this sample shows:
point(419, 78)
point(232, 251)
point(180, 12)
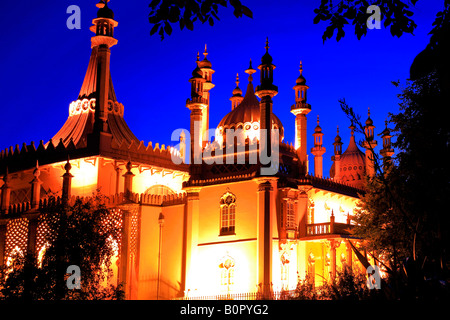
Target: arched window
point(227, 214)
point(227, 273)
point(160, 189)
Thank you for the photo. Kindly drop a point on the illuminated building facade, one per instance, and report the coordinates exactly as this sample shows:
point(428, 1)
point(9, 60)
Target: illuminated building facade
point(197, 220)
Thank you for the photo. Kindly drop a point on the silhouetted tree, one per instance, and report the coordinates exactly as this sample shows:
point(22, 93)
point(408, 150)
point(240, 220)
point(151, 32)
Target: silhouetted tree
point(164, 13)
point(82, 234)
point(401, 215)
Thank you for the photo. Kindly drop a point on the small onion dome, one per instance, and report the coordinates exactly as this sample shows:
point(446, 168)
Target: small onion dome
point(301, 79)
point(237, 92)
point(205, 63)
point(386, 132)
point(369, 121)
point(197, 73)
point(266, 58)
point(105, 12)
point(337, 139)
point(318, 129)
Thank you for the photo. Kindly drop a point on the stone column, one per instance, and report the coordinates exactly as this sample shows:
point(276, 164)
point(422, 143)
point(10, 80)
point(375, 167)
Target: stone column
point(190, 241)
point(264, 235)
point(67, 183)
point(128, 184)
point(124, 256)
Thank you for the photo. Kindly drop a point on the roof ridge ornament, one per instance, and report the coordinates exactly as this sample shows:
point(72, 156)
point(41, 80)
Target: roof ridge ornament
point(250, 71)
point(205, 53)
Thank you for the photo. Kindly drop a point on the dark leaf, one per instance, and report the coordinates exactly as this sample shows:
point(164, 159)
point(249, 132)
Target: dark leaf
point(247, 12)
point(154, 29)
point(154, 4)
point(168, 28)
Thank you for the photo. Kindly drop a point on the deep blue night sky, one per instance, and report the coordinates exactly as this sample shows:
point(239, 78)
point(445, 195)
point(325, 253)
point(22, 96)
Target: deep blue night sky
point(43, 65)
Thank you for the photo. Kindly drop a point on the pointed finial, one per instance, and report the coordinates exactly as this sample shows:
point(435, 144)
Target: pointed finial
point(36, 172)
point(198, 55)
point(301, 67)
point(337, 130)
point(237, 79)
point(250, 71)
point(317, 119)
point(67, 166)
point(352, 128)
point(100, 4)
point(368, 111)
point(206, 52)
point(267, 44)
point(129, 166)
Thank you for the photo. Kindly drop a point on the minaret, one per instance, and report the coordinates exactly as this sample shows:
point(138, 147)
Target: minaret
point(103, 27)
point(337, 156)
point(387, 152)
point(237, 97)
point(207, 72)
point(318, 150)
point(369, 144)
point(198, 106)
point(300, 109)
point(266, 91)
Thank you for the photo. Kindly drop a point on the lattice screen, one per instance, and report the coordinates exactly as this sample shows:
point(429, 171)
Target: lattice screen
point(16, 237)
point(134, 233)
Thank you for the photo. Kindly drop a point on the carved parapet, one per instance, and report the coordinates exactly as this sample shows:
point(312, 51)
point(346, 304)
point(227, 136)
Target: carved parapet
point(23, 158)
point(329, 184)
point(140, 151)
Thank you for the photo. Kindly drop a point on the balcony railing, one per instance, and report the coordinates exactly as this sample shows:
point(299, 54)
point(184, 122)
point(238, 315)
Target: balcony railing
point(281, 295)
point(328, 228)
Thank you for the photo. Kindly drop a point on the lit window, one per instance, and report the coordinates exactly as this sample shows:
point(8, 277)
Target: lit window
point(227, 214)
point(290, 215)
point(227, 272)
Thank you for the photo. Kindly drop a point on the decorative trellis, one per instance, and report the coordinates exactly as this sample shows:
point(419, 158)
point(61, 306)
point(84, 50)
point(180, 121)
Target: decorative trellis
point(16, 238)
point(134, 233)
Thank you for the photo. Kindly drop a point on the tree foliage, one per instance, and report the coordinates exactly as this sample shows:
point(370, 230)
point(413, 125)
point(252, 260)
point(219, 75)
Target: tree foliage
point(401, 215)
point(165, 13)
point(348, 285)
point(394, 14)
point(82, 234)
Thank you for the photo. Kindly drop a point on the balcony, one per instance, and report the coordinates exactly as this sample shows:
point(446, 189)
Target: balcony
point(323, 230)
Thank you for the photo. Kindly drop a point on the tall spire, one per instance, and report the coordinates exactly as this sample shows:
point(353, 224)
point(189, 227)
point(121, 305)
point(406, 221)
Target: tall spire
point(250, 71)
point(318, 150)
point(205, 53)
point(97, 112)
point(301, 109)
point(237, 97)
